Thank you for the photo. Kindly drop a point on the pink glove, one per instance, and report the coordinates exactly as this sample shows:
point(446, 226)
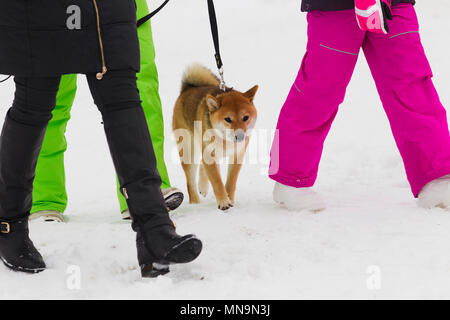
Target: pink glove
point(372, 15)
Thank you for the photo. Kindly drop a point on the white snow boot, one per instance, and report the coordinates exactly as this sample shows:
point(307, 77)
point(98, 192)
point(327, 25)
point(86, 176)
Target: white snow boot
point(172, 196)
point(298, 199)
point(48, 216)
point(436, 194)
point(126, 215)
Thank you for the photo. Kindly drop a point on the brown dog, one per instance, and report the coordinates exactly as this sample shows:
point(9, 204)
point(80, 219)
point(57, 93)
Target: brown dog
point(209, 125)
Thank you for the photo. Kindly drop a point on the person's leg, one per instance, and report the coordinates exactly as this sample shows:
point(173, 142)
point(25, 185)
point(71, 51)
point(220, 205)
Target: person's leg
point(127, 133)
point(403, 78)
point(151, 103)
point(334, 41)
point(49, 192)
point(20, 144)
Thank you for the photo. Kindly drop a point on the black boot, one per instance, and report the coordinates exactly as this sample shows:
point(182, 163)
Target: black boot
point(158, 245)
point(161, 247)
point(16, 249)
point(20, 145)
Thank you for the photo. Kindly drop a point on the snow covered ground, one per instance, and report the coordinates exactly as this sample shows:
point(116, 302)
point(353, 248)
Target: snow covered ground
point(372, 242)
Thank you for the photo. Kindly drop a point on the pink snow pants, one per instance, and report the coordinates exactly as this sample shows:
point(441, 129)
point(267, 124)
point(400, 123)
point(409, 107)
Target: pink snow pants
point(403, 78)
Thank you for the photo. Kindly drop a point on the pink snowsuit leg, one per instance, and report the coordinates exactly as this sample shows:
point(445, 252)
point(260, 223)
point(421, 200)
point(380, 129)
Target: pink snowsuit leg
point(334, 42)
point(403, 77)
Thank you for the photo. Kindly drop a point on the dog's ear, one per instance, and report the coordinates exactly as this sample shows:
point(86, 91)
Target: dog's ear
point(212, 103)
point(250, 94)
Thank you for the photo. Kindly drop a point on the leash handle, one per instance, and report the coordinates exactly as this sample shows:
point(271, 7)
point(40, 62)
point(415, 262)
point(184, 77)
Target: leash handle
point(215, 33)
point(144, 19)
point(215, 36)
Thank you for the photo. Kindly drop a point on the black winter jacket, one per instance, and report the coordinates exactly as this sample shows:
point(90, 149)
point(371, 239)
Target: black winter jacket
point(44, 38)
point(334, 5)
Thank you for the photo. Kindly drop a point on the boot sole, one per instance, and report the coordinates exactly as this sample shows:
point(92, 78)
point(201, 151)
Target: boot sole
point(185, 252)
point(174, 200)
point(21, 269)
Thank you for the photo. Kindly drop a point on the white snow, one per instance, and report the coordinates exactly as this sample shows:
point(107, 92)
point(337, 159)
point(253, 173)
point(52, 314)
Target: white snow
point(373, 240)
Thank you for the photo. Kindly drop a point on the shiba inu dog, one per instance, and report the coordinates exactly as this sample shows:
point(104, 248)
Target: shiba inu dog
point(211, 124)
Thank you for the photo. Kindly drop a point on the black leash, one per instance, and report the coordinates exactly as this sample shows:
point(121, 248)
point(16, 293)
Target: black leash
point(215, 35)
point(143, 20)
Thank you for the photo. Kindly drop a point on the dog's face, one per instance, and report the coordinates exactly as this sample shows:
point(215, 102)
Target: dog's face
point(233, 114)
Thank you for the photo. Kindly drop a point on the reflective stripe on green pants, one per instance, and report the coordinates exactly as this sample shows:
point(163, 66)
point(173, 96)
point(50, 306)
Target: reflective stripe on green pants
point(49, 185)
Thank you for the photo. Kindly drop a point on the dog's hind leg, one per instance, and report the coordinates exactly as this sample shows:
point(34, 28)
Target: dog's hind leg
point(186, 151)
point(190, 170)
point(203, 182)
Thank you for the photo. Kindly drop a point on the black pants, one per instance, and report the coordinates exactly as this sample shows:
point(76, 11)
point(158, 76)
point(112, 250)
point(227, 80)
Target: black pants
point(117, 98)
point(35, 98)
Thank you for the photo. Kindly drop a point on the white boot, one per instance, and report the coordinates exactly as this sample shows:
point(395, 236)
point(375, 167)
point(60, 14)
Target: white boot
point(298, 199)
point(172, 196)
point(126, 215)
point(436, 194)
point(48, 216)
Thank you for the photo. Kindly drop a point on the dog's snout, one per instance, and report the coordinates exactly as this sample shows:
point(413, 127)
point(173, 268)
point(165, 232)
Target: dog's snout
point(239, 135)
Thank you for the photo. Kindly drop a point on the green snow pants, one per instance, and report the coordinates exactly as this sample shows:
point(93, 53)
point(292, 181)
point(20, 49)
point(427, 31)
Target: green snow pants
point(49, 185)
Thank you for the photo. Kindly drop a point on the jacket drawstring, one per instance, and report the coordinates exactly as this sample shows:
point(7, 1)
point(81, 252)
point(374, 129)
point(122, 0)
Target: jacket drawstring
point(102, 52)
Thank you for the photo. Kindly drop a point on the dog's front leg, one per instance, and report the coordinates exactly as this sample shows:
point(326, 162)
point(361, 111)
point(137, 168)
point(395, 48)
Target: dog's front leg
point(234, 168)
point(233, 173)
point(203, 182)
point(213, 173)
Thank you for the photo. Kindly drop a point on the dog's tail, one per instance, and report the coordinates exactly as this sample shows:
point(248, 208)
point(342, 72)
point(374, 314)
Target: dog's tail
point(197, 75)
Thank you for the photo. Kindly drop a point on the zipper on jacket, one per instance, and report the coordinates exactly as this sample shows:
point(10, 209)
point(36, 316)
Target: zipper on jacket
point(100, 41)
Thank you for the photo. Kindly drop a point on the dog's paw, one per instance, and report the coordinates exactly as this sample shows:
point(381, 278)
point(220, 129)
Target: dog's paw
point(225, 204)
